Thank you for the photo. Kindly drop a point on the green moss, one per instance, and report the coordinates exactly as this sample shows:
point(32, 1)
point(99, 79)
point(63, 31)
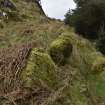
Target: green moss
point(40, 70)
point(60, 50)
point(98, 65)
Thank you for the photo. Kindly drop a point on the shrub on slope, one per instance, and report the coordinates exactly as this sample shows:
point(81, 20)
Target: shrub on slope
point(60, 50)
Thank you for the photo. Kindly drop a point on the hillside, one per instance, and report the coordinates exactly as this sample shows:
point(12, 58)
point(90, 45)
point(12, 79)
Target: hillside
point(43, 62)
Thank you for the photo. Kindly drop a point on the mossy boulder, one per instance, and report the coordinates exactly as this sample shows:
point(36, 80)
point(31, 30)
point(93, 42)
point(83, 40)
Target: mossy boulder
point(60, 50)
point(40, 70)
point(99, 65)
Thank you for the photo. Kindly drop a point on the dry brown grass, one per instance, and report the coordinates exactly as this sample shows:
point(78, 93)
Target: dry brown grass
point(12, 60)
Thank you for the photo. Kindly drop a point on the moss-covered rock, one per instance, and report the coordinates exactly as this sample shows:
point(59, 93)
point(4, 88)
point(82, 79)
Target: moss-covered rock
point(40, 70)
point(1, 24)
point(99, 65)
point(60, 50)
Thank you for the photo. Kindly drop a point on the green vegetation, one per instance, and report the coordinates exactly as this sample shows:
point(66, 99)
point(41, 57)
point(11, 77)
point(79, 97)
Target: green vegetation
point(100, 43)
point(40, 69)
point(30, 75)
point(98, 65)
point(60, 50)
point(88, 20)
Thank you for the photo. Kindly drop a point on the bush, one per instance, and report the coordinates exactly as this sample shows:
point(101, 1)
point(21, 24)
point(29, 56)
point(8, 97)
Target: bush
point(100, 43)
point(87, 18)
point(99, 65)
point(60, 50)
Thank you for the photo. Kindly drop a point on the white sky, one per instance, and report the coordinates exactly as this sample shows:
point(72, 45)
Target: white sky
point(57, 8)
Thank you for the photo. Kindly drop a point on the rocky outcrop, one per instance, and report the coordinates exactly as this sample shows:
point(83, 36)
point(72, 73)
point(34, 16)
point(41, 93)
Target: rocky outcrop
point(40, 70)
point(7, 4)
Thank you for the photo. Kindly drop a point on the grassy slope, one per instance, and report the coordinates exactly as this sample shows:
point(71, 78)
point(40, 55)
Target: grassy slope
point(81, 85)
point(34, 26)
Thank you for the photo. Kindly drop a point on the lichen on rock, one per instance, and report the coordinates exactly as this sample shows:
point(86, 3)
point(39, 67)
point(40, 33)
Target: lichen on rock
point(60, 50)
point(40, 70)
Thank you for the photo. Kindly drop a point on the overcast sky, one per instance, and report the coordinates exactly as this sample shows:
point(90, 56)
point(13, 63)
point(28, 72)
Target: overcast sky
point(57, 8)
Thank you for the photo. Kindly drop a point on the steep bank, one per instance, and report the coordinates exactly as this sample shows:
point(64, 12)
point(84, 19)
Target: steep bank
point(28, 75)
